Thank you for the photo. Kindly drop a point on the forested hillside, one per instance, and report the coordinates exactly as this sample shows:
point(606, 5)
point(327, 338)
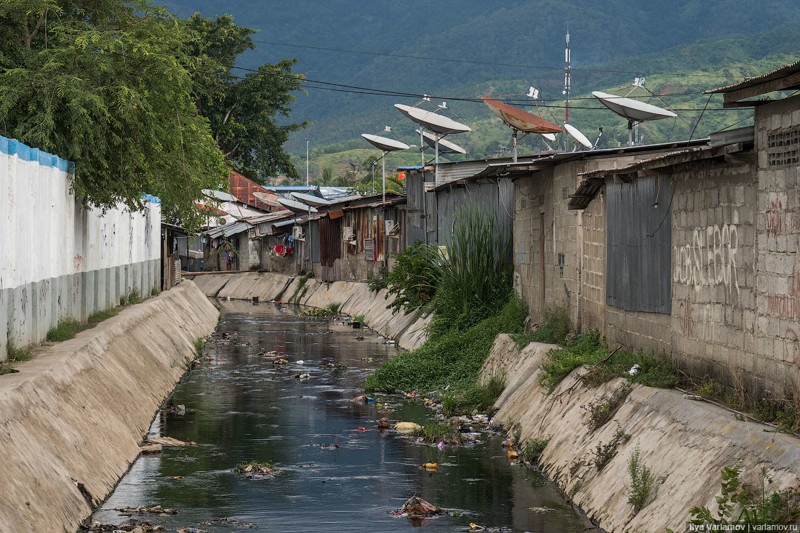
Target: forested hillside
point(466, 48)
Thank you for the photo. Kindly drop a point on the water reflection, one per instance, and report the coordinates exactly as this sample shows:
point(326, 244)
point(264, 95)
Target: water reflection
point(333, 476)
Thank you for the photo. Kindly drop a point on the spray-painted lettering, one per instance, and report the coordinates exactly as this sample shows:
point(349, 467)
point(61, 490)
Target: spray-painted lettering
point(710, 258)
point(785, 305)
point(780, 220)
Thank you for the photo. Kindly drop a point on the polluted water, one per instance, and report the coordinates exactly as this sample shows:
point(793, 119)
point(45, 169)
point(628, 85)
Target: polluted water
point(271, 430)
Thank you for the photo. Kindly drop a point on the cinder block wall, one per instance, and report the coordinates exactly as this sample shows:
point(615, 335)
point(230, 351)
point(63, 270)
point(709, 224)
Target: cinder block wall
point(58, 259)
point(713, 268)
point(777, 281)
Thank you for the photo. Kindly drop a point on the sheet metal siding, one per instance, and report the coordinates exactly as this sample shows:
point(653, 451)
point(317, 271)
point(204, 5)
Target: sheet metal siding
point(367, 223)
point(639, 240)
point(314, 237)
point(493, 198)
point(414, 209)
point(330, 239)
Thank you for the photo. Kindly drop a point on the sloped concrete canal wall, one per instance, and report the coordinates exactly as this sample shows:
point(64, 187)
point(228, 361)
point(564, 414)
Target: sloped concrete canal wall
point(355, 298)
point(71, 419)
point(685, 443)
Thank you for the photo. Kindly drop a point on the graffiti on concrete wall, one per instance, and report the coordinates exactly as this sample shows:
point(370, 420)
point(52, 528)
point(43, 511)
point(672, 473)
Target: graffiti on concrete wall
point(780, 220)
point(696, 320)
point(785, 305)
point(709, 259)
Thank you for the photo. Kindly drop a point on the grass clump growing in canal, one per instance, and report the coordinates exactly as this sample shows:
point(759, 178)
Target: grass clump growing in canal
point(436, 432)
point(14, 355)
point(554, 329)
point(640, 491)
point(533, 449)
point(65, 330)
point(590, 349)
point(450, 363)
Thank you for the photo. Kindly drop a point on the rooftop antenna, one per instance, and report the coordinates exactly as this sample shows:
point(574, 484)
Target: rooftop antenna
point(567, 80)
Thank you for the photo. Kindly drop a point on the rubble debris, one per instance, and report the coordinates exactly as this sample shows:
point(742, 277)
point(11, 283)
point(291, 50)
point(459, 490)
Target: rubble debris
point(383, 423)
point(148, 449)
point(156, 510)
point(256, 470)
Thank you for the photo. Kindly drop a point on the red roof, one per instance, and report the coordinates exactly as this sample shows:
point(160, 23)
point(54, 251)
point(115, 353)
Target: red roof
point(243, 189)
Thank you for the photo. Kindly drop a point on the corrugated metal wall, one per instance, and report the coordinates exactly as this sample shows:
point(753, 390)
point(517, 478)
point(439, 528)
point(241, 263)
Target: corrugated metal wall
point(496, 198)
point(639, 229)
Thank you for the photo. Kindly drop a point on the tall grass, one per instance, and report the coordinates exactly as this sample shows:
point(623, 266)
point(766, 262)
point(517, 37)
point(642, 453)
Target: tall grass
point(475, 282)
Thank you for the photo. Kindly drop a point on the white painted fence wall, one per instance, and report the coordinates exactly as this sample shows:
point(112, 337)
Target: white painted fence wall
point(59, 260)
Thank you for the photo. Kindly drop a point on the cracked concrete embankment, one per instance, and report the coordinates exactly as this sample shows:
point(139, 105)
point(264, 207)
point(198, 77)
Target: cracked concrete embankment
point(73, 417)
point(685, 443)
point(355, 299)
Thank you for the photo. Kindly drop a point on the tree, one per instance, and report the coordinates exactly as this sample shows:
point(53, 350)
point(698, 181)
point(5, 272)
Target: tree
point(108, 85)
point(242, 111)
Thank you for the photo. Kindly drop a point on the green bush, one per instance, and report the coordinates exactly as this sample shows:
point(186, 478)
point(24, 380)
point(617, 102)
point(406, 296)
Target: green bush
point(741, 504)
point(533, 449)
point(415, 277)
point(450, 363)
point(640, 491)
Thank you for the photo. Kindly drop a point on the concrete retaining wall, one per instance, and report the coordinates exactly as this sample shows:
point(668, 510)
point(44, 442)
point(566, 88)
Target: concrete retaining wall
point(685, 443)
point(74, 415)
point(59, 259)
point(354, 297)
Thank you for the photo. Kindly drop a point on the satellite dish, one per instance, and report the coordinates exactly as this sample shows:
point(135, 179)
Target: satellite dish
point(267, 198)
point(631, 109)
point(445, 147)
point(578, 136)
point(518, 119)
point(310, 199)
point(436, 123)
point(385, 143)
point(549, 136)
point(294, 205)
point(219, 195)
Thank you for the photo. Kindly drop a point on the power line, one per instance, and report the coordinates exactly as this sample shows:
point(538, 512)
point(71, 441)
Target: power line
point(357, 89)
point(439, 59)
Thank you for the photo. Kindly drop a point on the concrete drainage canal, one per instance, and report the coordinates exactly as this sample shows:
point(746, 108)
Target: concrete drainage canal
point(271, 434)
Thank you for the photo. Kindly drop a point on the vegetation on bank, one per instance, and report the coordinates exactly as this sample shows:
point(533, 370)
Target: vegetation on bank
point(14, 355)
point(470, 295)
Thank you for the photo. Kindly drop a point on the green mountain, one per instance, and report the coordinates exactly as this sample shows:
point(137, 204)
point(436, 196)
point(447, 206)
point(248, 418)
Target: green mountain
point(459, 50)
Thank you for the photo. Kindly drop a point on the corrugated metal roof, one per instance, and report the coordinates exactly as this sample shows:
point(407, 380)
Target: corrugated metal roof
point(227, 230)
point(751, 82)
point(277, 215)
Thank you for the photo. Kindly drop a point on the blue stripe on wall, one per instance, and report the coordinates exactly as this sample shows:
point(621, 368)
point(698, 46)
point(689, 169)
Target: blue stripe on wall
point(26, 153)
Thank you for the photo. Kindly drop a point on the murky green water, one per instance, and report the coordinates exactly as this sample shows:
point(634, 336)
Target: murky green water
point(333, 477)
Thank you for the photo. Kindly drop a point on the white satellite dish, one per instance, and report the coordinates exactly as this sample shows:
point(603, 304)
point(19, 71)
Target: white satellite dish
point(294, 205)
point(632, 109)
point(549, 136)
point(219, 195)
point(445, 147)
point(578, 136)
point(432, 121)
point(310, 199)
point(385, 143)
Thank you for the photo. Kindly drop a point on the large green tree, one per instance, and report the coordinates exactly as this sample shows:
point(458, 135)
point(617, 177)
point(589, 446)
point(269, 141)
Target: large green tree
point(108, 85)
point(243, 108)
